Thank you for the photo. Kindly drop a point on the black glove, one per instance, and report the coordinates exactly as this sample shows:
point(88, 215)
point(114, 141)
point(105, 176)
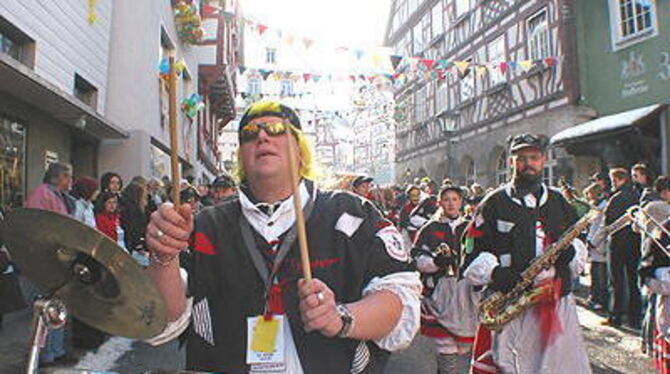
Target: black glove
point(503, 279)
point(565, 257)
point(443, 261)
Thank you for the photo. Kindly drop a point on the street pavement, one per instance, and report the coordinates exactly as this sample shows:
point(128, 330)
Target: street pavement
point(610, 351)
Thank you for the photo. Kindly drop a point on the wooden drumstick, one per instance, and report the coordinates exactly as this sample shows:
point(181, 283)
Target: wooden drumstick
point(174, 157)
point(297, 207)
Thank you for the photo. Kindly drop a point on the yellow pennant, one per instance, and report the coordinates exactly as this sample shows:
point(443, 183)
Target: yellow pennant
point(481, 70)
point(462, 66)
point(526, 64)
point(91, 12)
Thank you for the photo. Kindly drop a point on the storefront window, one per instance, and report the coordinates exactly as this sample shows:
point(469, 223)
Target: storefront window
point(12, 164)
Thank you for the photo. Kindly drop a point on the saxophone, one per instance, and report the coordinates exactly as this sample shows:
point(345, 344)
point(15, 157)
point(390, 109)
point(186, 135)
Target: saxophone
point(500, 308)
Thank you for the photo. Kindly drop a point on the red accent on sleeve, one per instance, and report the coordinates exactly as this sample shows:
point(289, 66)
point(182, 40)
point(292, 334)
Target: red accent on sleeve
point(473, 232)
point(203, 245)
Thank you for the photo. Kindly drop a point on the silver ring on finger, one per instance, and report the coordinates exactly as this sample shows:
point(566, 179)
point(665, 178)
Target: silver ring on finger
point(320, 297)
point(159, 234)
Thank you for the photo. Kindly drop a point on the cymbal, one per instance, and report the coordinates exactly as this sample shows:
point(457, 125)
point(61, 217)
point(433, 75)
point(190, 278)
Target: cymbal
point(100, 283)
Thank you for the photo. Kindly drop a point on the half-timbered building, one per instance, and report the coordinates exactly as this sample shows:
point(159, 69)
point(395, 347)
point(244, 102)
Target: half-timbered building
point(456, 125)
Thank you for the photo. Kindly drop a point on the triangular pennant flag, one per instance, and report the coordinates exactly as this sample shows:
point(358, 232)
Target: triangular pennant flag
point(526, 65)
point(316, 78)
point(371, 78)
point(361, 77)
point(359, 53)
point(265, 73)
point(441, 74)
point(242, 69)
point(290, 39)
point(503, 67)
point(209, 10)
point(413, 63)
point(395, 61)
point(441, 64)
point(550, 61)
point(462, 66)
point(428, 63)
point(308, 42)
point(261, 29)
point(513, 65)
point(307, 77)
point(353, 78)
point(481, 70)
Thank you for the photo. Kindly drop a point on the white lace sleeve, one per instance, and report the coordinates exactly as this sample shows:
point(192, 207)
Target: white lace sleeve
point(479, 271)
point(578, 263)
point(174, 328)
point(407, 286)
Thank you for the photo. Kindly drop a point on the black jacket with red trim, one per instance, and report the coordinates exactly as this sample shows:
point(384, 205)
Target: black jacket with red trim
point(346, 251)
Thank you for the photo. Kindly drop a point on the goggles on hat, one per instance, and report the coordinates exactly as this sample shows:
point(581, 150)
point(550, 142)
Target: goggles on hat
point(250, 131)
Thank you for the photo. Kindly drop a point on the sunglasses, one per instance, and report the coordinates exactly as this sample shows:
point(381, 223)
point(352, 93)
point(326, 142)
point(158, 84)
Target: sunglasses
point(250, 131)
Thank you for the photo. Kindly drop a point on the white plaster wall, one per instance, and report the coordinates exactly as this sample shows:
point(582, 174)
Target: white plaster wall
point(65, 43)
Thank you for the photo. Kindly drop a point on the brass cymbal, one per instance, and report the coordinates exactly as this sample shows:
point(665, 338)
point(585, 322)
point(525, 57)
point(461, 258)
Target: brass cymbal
point(100, 283)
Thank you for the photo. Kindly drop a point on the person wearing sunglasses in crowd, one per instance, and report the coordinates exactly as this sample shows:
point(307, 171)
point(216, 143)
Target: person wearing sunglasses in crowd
point(362, 302)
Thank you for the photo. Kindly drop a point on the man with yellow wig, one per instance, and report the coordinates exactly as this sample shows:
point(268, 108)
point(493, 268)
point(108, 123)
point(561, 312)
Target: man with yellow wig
point(246, 307)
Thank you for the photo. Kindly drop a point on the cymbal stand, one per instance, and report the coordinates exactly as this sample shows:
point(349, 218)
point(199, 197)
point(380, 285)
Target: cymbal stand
point(48, 313)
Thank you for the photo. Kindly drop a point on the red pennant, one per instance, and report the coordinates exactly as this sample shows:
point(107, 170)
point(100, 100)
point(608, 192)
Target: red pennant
point(210, 10)
point(371, 78)
point(504, 67)
point(261, 29)
point(353, 78)
point(428, 63)
point(550, 61)
point(307, 77)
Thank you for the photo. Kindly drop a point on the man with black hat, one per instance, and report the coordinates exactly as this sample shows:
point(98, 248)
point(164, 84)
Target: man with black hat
point(513, 225)
point(221, 190)
point(361, 186)
point(249, 308)
point(449, 307)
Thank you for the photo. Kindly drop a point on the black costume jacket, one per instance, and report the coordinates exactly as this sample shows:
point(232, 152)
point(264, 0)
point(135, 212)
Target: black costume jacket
point(516, 229)
point(349, 245)
point(431, 235)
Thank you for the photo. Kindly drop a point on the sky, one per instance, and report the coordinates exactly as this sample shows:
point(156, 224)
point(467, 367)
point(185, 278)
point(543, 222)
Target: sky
point(351, 23)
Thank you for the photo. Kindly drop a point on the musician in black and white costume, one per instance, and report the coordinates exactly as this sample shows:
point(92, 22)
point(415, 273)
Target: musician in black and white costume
point(513, 225)
point(449, 306)
point(362, 302)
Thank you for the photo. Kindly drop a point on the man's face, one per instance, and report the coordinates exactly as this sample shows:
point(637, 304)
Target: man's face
point(616, 182)
point(602, 183)
point(451, 203)
point(267, 156)
point(414, 195)
point(665, 195)
point(64, 181)
point(529, 162)
point(363, 189)
point(203, 190)
point(639, 177)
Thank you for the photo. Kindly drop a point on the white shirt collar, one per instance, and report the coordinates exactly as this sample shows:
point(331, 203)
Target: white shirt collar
point(273, 226)
point(529, 199)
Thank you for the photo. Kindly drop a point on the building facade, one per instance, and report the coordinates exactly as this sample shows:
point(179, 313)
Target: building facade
point(54, 90)
point(624, 65)
point(457, 127)
point(78, 84)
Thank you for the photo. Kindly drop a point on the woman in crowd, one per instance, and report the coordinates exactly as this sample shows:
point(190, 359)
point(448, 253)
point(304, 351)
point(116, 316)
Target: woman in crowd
point(111, 182)
point(107, 217)
point(134, 218)
point(85, 190)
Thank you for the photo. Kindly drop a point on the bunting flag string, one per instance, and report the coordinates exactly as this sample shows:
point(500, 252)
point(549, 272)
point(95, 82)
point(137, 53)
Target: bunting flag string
point(415, 68)
point(400, 63)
